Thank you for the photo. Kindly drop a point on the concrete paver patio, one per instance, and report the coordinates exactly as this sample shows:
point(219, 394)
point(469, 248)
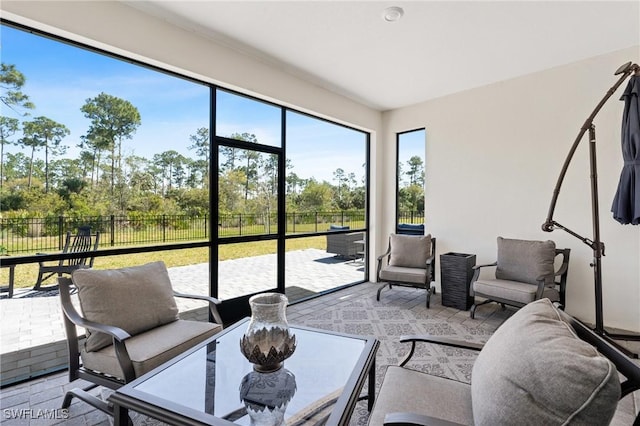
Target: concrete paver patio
point(32, 336)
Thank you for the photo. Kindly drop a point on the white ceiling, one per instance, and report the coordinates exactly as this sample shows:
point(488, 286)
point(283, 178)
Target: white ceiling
point(437, 48)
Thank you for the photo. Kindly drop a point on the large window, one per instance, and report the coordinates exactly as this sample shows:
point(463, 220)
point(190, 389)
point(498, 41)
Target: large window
point(326, 192)
point(121, 147)
point(410, 180)
point(247, 190)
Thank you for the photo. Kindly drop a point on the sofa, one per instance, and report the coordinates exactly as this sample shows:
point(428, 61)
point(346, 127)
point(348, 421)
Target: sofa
point(540, 367)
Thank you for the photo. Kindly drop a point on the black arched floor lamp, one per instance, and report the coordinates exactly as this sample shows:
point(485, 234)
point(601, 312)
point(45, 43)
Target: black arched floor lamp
point(596, 243)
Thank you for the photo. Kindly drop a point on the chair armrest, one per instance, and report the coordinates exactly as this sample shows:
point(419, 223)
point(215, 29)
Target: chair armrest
point(212, 304)
point(437, 340)
point(111, 330)
point(562, 270)
point(476, 274)
point(384, 254)
point(197, 296)
point(485, 265)
point(380, 259)
point(430, 259)
point(407, 419)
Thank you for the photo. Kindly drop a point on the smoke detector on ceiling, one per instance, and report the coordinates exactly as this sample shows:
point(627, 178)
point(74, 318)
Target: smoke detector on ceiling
point(392, 14)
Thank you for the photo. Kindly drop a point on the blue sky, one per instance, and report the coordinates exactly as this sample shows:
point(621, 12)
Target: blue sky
point(60, 78)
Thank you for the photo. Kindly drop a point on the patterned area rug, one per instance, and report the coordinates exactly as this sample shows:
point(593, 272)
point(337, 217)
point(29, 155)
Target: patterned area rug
point(389, 322)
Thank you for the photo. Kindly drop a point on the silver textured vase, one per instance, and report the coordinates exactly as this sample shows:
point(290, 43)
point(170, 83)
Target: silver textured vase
point(268, 341)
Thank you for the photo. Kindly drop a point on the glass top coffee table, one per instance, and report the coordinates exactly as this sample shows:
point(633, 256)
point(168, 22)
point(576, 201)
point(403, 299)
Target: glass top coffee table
point(214, 384)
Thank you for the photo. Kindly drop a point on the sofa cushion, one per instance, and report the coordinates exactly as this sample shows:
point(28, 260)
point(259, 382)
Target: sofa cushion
point(525, 261)
point(535, 370)
point(135, 299)
point(410, 251)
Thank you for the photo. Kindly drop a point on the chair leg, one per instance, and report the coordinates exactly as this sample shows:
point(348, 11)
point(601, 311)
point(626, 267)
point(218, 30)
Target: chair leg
point(92, 400)
point(41, 278)
point(39, 282)
point(85, 396)
point(380, 289)
point(472, 312)
point(430, 291)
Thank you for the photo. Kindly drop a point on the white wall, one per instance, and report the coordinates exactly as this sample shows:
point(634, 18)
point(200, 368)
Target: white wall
point(493, 156)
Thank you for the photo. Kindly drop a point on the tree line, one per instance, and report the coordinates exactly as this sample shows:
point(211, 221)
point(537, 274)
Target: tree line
point(102, 180)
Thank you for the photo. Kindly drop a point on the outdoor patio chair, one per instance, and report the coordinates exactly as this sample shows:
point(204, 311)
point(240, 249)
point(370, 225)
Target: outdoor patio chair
point(525, 271)
point(82, 242)
point(132, 325)
point(540, 367)
point(345, 245)
point(409, 262)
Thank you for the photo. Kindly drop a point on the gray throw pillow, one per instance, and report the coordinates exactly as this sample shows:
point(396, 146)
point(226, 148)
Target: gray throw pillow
point(525, 261)
point(135, 299)
point(410, 251)
point(534, 370)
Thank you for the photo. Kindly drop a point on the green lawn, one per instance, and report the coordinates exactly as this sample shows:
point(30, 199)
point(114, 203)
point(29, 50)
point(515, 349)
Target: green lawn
point(26, 275)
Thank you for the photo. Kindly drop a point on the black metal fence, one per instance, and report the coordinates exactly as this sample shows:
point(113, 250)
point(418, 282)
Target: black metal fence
point(412, 217)
point(32, 235)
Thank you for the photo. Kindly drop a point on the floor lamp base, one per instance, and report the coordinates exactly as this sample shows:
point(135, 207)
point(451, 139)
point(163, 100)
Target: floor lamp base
point(614, 339)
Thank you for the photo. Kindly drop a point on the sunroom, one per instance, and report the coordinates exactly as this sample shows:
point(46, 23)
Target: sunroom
point(492, 126)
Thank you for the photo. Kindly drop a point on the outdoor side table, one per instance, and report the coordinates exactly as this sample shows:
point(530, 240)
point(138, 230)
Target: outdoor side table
point(456, 271)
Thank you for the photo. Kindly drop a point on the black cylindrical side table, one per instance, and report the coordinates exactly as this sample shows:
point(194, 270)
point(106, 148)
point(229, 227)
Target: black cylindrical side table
point(456, 271)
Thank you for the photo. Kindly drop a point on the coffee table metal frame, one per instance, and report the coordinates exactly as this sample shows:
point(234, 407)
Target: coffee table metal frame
point(128, 398)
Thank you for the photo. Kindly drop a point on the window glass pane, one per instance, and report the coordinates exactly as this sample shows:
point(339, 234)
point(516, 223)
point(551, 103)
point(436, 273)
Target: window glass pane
point(108, 143)
point(411, 172)
point(247, 192)
point(311, 268)
point(246, 268)
point(239, 117)
point(326, 175)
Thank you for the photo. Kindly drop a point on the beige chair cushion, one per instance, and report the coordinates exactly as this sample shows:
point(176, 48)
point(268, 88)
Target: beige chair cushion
point(410, 251)
point(512, 290)
point(534, 370)
point(409, 391)
point(402, 274)
point(135, 299)
point(525, 261)
point(152, 348)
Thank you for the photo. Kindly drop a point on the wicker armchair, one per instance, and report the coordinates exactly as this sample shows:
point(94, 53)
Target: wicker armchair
point(345, 245)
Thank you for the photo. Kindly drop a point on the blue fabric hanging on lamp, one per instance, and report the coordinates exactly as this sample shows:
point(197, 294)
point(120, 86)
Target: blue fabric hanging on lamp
point(626, 203)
